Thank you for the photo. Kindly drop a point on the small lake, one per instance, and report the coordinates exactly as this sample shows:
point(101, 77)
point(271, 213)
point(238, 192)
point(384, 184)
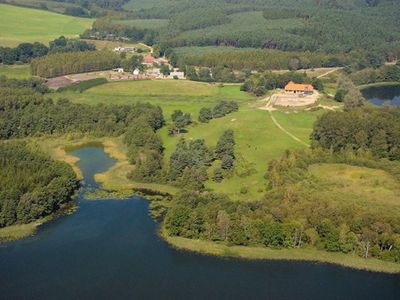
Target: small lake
point(379, 95)
point(109, 249)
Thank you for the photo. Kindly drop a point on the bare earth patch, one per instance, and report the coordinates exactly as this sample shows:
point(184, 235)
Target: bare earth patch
point(293, 100)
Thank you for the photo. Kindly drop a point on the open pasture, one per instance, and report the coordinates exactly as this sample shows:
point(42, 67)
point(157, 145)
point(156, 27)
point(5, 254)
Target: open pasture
point(20, 25)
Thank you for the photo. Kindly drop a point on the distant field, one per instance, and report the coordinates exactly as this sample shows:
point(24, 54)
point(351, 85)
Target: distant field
point(31, 25)
point(146, 4)
point(55, 6)
point(145, 23)
point(15, 71)
point(258, 139)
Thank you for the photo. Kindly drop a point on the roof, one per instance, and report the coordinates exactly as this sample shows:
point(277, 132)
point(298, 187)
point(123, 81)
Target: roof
point(148, 59)
point(291, 86)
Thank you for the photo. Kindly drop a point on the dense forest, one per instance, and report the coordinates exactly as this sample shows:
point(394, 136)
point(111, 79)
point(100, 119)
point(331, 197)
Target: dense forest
point(32, 185)
point(366, 30)
point(26, 113)
point(254, 59)
point(376, 130)
point(59, 64)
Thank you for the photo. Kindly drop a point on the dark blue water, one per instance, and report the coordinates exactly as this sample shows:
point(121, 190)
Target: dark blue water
point(389, 94)
point(109, 250)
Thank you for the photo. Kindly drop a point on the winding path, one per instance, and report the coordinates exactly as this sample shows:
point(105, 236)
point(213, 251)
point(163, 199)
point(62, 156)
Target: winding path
point(329, 72)
point(269, 108)
point(285, 131)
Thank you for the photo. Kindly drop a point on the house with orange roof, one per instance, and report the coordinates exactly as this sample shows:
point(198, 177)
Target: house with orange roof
point(148, 60)
point(298, 88)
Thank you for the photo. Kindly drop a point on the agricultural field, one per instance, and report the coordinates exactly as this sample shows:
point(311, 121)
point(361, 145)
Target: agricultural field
point(54, 6)
point(258, 140)
point(20, 24)
point(15, 71)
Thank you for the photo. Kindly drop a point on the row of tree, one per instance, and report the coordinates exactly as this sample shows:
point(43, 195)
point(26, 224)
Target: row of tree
point(25, 52)
point(36, 84)
point(221, 109)
point(256, 59)
point(389, 73)
point(59, 64)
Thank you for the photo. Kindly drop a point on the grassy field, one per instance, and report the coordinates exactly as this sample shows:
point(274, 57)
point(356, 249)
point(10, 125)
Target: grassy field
point(31, 25)
point(15, 71)
point(374, 187)
point(54, 6)
point(169, 94)
point(258, 139)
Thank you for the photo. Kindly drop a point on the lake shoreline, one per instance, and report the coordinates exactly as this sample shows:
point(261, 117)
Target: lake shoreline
point(59, 149)
point(20, 231)
point(262, 253)
point(378, 84)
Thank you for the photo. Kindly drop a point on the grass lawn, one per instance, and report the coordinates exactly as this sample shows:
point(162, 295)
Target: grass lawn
point(20, 24)
point(15, 71)
point(258, 140)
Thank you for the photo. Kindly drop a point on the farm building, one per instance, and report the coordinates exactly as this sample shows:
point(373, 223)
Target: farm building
point(297, 88)
point(148, 60)
point(177, 74)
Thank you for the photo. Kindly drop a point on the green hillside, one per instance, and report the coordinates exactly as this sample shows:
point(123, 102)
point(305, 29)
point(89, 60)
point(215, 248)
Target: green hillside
point(30, 25)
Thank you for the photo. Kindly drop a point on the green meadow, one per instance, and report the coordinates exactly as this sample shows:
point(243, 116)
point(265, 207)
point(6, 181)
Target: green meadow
point(20, 25)
point(258, 139)
point(15, 71)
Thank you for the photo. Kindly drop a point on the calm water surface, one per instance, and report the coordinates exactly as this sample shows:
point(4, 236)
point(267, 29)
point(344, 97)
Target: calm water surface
point(109, 250)
point(389, 94)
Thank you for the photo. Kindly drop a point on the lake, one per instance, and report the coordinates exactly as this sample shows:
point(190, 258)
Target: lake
point(109, 249)
point(380, 95)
